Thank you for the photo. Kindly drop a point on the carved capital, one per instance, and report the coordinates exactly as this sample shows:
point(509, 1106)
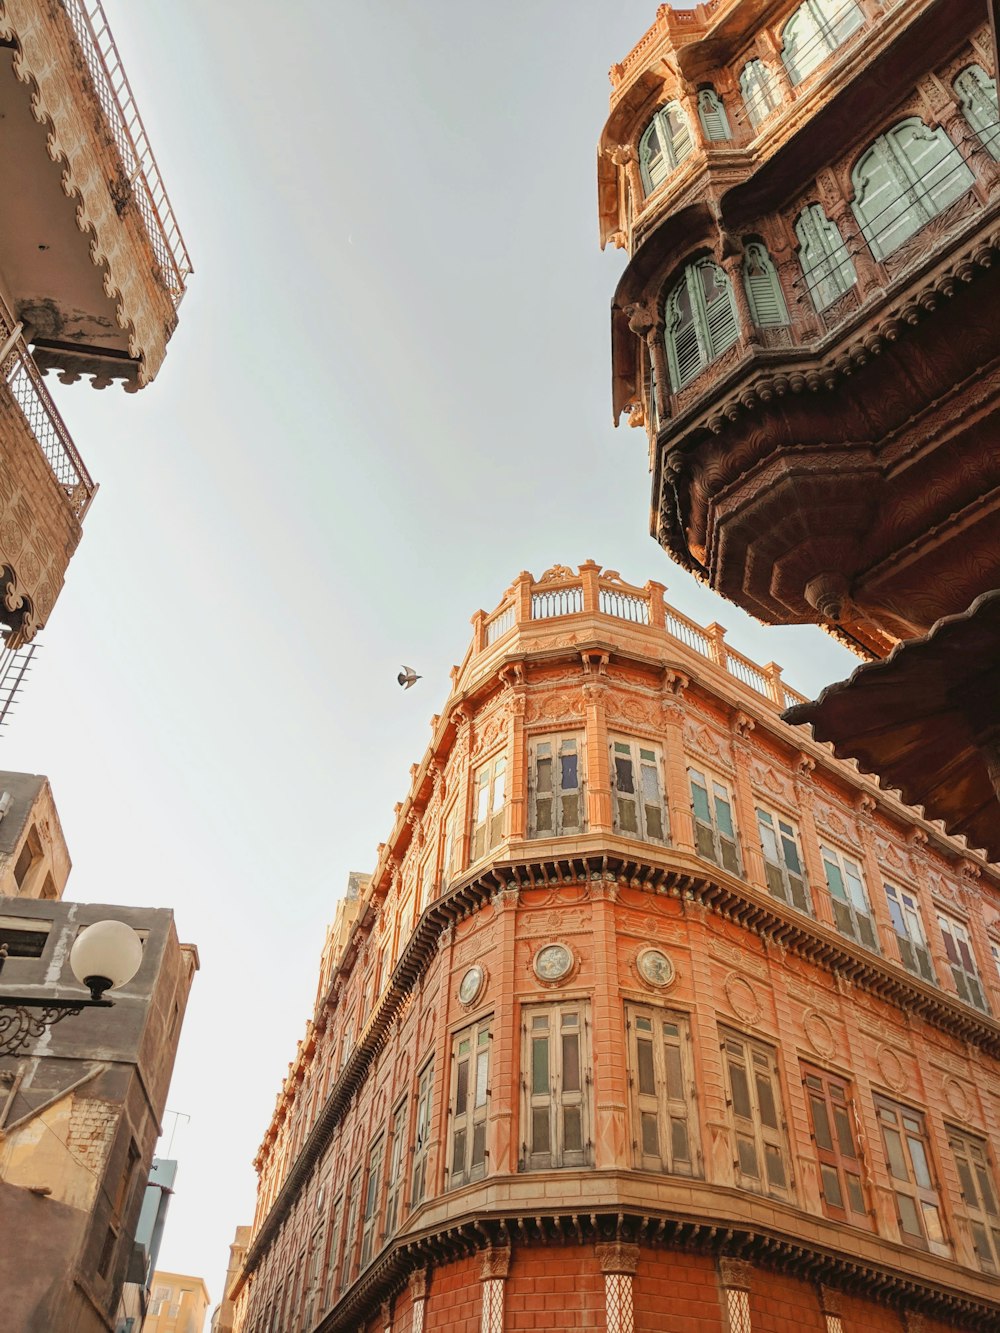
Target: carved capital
point(622, 154)
point(674, 682)
point(505, 898)
point(736, 1273)
point(495, 1262)
point(418, 1285)
point(617, 1257)
point(829, 1300)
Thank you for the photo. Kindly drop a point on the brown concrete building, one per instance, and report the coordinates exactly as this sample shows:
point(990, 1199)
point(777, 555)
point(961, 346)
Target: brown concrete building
point(809, 194)
point(179, 1304)
point(34, 860)
point(654, 1015)
point(92, 269)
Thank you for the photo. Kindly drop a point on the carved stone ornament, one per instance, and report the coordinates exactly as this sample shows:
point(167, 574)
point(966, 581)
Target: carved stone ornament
point(819, 1034)
point(735, 1273)
point(553, 963)
point(495, 1262)
point(472, 985)
point(655, 968)
point(891, 1068)
point(617, 1257)
point(418, 1285)
point(742, 998)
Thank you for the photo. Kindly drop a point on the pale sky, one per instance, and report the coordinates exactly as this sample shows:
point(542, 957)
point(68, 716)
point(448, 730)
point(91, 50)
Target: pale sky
point(389, 392)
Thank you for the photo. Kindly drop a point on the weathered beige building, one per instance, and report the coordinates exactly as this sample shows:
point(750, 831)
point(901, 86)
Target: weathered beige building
point(179, 1304)
point(34, 860)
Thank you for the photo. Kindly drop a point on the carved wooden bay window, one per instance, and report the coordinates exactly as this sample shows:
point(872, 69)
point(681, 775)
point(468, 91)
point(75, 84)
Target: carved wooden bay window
point(714, 830)
point(958, 947)
point(831, 1115)
point(851, 911)
point(826, 265)
point(469, 1103)
point(488, 814)
point(700, 320)
point(556, 786)
point(909, 174)
point(760, 91)
point(556, 1085)
point(779, 842)
point(907, 1150)
point(979, 1196)
point(662, 1082)
point(637, 790)
point(814, 32)
point(754, 1088)
point(665, 143)
point(977, 96)
point(422, 1134)
point(904, 912)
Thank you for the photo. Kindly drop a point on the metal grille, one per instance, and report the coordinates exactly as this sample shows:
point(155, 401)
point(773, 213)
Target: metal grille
point(417, 1323)
point(15, 664)
point(624, 606)
point(833, 1324)
point(618, 1302)
point(558, 602)
point(738, 1307)
point(118, 104)
point(493, 1305)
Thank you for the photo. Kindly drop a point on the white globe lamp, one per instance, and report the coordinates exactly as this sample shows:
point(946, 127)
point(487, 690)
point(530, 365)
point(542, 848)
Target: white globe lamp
point(105, 955)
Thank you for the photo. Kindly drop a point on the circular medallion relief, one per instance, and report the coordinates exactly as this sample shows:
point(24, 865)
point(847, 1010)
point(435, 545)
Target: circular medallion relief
point(655, 967)
point(891, 1068)
point(471, 986)
point(957, 1098)
point(819, 1034)
point(742, 998)
point(553, 962)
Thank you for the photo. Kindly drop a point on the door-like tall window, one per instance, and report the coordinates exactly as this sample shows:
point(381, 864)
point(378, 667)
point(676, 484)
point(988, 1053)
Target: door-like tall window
point(638, 793)
point(958, 947)
point(830, 1111)
point(555, 786)
point(826, 265)
point(761, 95)
point(350, 1228)
point(712, 115)
point(333, 1244)
point(369, 1218)
point(851, 911)
point(714, 830)
point(422, 1134)
point(760, 278)
point(909, 175)
point(449, 866)
point(814, 32)
point(488, 816)
point(664, 145)
point(700, 320)
point(779, 841)
point(908, 1154)
point(977, 95)
point(758, 1121)
point(905, 914)
point(979, 1196)
point(665, 1125)
point(394, 1175)
point(556, 1113)
point(470, 1080)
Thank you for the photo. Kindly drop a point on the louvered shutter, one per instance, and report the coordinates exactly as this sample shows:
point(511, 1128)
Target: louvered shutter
point(684, 351)
point(680, 132)
point(652, 159)
point(720, 311)
point(712, 115)
point(767, 305)
point(804, 46)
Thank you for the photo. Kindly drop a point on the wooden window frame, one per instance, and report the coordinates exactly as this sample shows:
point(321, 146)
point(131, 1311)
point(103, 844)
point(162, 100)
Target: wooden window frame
point(784, 881)
point(833, 1128)
point(663, 1091)
point(371, 1211)
point(554, 792)
point(757, 1115)
point(469, 1102)
point(908, 927)
point(565, 1107)
point(712, 842)
point(488, 819)
point(763, 287)
point(846, 908)
point(974, 88)
point(643, 758)
point(350, 1238)
point(675, 143)
point(710, 104)
point(977, 1185)
point(395, 1172)
point(962, 961)
point(902, 1127)
point(334, 1244)
point(423, 1120)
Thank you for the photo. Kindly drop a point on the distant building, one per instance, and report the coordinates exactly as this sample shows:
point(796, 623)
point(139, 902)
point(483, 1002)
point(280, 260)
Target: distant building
point(653, 1015)
point(34, 861)
point(224, 1314)
point(809, 195)
point(179, 1304)
point(137, 1288)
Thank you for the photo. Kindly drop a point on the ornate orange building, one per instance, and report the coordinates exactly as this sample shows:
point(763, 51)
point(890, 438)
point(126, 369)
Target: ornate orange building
point(652, 1015)
point(809, 194)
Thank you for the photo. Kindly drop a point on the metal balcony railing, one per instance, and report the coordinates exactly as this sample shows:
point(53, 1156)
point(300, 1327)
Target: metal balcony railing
point(115, 96)
point(27, 387)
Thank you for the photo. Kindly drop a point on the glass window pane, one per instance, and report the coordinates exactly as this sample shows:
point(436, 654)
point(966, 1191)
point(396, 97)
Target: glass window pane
point(821, 1124)
point(539, 1064)
point(897, 1157)
point(647, 1082)
point(918, 1157)
point(675, 1076)
point(540, 1129)
point(831, 1187)
point(765, 1099)
point(571, 1061)
point(679, 1144)
point(462, 1086)
point(908, 1219)
point(569, 772)
point(650, 1134)
point(741, 1091)
point(775, 1165)
point(623, 776)
point(572, 1129)
point(543, 769)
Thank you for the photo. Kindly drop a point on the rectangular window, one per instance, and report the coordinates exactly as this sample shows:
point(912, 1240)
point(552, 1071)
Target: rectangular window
point(832, 1114)
point(979, 1196)
point(333, 1242)
point(638, 791)
point(313, 1277)
point(958, 947)
point(995, 955)
point(555, 1110)
point(714, 830)
point(779, 840)
point(906, 922)
point(907, 1151)
point(555, 786)
point(449, 866)
point(369, 1217)
point(394, 1178)
point(488, 815)
point(761, 1160)
point(422, 1134)
point(850, 903)
point(350, 1230)
point(427, 884)
point(664, 1122)
point(470, 1079)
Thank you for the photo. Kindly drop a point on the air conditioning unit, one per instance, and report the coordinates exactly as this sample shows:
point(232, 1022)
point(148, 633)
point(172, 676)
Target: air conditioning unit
point(5, 800)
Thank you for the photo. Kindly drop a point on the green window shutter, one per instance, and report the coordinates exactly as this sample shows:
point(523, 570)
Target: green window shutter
point(652, 161)
point(814, 32)
point(721, 325)
point(712, 115)
point(665, 143)
point(680, 132)
point(767, 305)
point(826, 265)
point(759, 93)
point(977, 95)
point(885, 206)
point(938, 173)
point(701, 321)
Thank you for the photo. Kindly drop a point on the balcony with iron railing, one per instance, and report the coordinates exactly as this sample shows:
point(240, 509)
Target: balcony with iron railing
point(567, 595)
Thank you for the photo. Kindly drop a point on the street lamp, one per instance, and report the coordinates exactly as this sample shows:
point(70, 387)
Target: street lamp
point(104, 956)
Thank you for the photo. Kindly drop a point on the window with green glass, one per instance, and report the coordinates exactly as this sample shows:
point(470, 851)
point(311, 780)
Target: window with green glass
point(958, 947)
point(826, 265)
point(700, 320)
point(851, 911)
point(909, 175)
point(470, 1080)
point(979, 1196)
point(908, 1157)
point(904, 912)
point(754, 1089)
point(555, 786)
point(977, 96)
point(814, 31)
point(840, 1171)
point(665, 143)
point(779, 842)
point(714, 830)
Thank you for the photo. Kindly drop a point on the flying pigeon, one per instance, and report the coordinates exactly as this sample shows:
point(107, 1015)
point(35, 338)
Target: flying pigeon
point(408, 677)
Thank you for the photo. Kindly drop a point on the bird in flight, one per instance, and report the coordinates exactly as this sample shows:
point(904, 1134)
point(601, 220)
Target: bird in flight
point(408, 677)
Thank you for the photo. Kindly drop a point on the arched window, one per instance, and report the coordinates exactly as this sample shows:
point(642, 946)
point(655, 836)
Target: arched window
point(665, 143)
point(760, 95)
point(823, 255)
point(909, 174)
point(767, 304)
point(977, 95)
point(815, 31)
point(712, 115)
point(700, 320)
